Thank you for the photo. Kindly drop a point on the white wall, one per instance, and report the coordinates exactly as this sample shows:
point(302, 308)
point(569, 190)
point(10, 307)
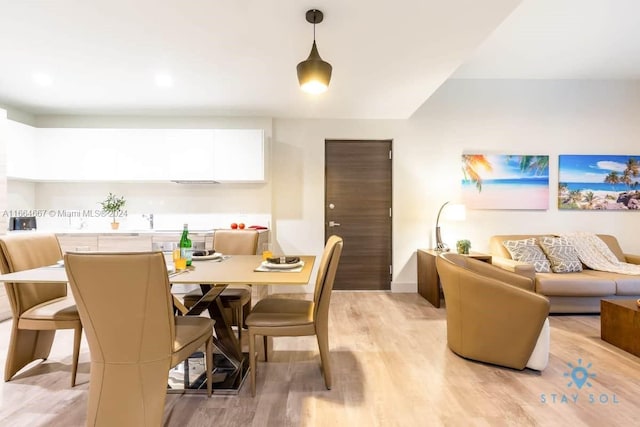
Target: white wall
point(490, 116)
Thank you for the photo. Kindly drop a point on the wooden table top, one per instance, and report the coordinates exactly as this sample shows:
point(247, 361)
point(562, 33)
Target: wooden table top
point(237, 269)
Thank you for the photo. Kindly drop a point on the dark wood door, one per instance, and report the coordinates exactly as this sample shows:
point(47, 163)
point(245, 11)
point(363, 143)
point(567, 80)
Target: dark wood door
point(358, 208)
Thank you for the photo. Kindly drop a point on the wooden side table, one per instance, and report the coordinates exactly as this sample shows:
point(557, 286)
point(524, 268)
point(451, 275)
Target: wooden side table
point(428, 280)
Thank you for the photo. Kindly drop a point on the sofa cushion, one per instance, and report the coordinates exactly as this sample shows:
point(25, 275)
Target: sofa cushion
point(581, 284)
point(527, 250)
point(563, 256)
point(626, 284)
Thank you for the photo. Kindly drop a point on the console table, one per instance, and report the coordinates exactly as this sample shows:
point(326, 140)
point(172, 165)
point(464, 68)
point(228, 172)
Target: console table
point(428, 280)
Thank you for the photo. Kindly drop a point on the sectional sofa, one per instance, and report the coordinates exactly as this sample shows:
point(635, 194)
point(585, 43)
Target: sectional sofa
point(571, 292)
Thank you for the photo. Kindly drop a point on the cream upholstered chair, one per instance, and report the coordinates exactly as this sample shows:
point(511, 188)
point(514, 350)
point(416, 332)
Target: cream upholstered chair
point(38, 309)
point(235, 298)
point(493, 315)
point(135, 340)
point(294, 317)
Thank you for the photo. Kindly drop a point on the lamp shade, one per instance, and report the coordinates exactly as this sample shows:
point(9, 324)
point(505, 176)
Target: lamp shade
point(314, 74)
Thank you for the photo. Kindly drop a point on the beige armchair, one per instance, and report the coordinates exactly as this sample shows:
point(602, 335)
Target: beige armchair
point(294, 317)
point(134, 338)
point(39, 309)
point(493, 315)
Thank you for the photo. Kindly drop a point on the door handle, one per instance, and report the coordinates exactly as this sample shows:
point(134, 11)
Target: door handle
point(333, 224)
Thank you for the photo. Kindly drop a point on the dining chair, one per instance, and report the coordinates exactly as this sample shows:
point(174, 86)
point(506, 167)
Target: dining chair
point(293, 317)
point(236, 298)
point(133, 341)
point(38, 309)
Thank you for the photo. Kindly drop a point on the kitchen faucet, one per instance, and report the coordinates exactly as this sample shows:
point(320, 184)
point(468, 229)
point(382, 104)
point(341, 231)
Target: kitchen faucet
point(150, 219)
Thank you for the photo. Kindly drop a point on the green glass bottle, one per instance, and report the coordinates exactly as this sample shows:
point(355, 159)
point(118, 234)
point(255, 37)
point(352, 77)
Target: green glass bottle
point(186, 251)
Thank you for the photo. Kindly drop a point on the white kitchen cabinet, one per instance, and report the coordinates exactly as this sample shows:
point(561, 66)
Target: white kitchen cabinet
point(238, 155)
point(70, 242)
point(124, 243)
point(21, 150)
point(74, 154)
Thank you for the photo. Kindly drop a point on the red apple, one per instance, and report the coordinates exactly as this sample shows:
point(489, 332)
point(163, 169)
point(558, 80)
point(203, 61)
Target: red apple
point(234, 225)
point(241, 226)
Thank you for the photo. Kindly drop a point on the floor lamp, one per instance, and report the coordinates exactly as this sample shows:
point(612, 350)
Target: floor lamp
point(456, 212)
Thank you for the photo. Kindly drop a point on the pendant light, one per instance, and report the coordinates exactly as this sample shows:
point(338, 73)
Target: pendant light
point(314, 74)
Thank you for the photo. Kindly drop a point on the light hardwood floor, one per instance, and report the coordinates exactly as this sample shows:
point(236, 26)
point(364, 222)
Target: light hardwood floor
point(391, 367)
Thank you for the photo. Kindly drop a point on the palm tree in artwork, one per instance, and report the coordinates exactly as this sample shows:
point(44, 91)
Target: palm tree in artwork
point(471, 165)
point(612, 179)
point(632, 170)
point(589, 197)
point(626, 178)
point(633, 167)
point(535, 164)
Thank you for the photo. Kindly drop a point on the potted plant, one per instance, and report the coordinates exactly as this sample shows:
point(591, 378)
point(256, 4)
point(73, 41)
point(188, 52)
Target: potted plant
point(463, 246)
point(113, 206)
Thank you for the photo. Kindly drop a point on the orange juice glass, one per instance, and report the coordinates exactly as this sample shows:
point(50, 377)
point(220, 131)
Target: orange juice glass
point(267, 251)
point(180, 263)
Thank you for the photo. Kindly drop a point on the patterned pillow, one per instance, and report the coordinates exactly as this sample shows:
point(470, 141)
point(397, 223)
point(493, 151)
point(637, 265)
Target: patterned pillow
point(528, 251)
point(563, 256)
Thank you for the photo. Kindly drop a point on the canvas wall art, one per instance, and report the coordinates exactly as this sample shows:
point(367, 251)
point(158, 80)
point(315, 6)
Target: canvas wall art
point(498, 181)
point(599, 182)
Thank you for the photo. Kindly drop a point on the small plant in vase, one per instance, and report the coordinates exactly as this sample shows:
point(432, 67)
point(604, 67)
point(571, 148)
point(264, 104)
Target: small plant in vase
point(463, 246)
point(113, 206)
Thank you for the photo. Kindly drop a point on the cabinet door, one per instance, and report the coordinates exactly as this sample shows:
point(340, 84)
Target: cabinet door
point(124, 243)
point(238, 155)
point(72, 154)
point(21, 152)
point(78, 242)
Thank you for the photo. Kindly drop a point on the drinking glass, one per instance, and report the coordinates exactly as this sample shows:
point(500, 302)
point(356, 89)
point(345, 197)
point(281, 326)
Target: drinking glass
point(267, 250)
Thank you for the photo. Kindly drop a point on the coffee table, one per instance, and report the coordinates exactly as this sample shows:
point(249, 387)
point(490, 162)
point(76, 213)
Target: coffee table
point(620, 324)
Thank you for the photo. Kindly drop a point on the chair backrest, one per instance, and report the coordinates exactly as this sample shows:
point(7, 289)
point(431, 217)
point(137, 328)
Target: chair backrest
point(124, 304)
point(326, 276)
point(236, 242)
point(25, 251)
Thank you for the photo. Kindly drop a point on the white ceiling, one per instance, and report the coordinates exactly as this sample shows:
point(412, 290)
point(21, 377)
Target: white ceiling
point(562, 39)
point(238, 57)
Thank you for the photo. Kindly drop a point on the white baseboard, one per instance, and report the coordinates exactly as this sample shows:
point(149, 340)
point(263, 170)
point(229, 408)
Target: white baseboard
point(404, 288)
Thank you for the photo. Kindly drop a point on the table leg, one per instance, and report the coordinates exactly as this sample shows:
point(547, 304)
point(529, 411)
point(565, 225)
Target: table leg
point(231, 364)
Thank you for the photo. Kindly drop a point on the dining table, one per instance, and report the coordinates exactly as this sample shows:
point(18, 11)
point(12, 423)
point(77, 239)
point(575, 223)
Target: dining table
point(213, 276)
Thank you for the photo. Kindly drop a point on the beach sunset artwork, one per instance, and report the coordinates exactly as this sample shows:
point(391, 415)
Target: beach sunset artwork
point(599, 182)
point(497, 181)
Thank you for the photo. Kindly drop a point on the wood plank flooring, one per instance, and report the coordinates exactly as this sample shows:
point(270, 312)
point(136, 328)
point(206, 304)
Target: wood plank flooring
point(391, 367)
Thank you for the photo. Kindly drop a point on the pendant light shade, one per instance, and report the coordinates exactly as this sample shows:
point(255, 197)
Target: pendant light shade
point(314, 74)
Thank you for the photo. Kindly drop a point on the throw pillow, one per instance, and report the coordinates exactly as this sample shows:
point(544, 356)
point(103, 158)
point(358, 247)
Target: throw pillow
point(527, 250)
point(562, 254)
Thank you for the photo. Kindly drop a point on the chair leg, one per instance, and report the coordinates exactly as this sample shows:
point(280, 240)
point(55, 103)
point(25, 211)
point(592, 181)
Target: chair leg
point(252, 361)
point(238, 314)
point(77, 337)
point(323, 344)
point(264, 345)
point(208, 365)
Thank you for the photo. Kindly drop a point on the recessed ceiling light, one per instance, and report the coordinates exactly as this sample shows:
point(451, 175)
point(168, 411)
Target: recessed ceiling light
point(42, 79)
point(164, 80)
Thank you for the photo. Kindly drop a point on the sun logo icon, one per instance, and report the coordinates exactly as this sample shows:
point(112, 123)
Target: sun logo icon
point(579, 375)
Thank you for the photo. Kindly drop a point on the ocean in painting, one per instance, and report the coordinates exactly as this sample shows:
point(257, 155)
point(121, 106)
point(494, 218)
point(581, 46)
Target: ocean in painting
point(510, 193)
point(596, 186)
point(542, 181)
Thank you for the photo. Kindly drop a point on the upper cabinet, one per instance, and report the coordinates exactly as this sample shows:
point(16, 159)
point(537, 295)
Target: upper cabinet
point(71, 154)
point(238, 155)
